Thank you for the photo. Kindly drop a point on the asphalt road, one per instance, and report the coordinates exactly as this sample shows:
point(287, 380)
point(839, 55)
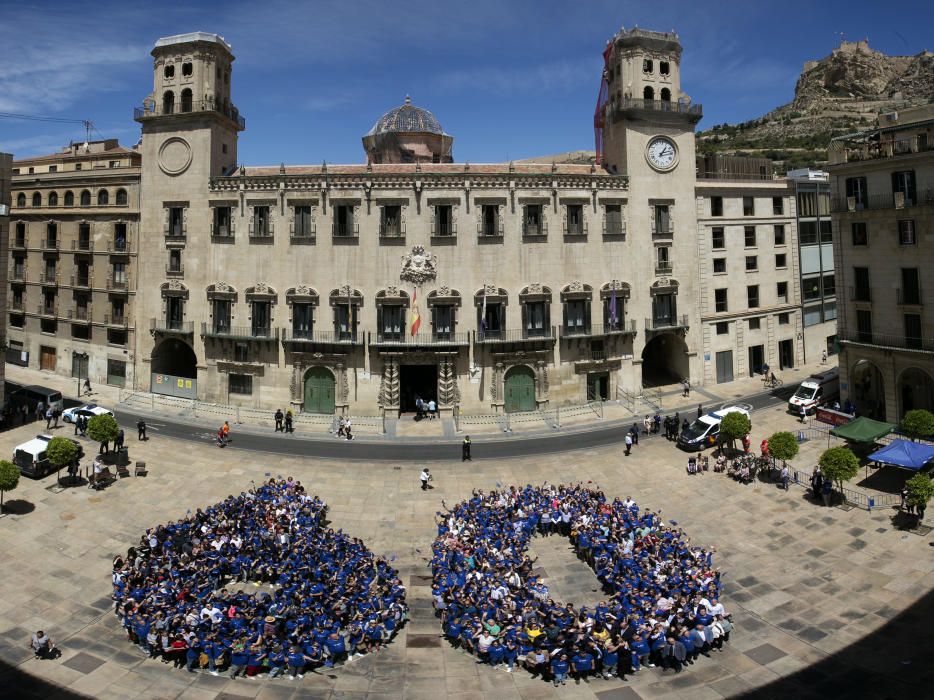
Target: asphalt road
point(373, 449)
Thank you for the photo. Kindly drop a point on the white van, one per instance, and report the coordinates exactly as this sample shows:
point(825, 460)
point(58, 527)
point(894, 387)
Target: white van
point(31, 457)
point(705, 430)
point(816, 390)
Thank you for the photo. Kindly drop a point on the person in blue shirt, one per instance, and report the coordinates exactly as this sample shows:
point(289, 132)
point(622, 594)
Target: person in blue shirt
point(193, 654)
point(336, 648)
point(277, 660)
point(559, 668)
point(581, 665)
point(296, 662)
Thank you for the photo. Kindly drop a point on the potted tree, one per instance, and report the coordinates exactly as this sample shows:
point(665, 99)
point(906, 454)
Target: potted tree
point(103, 429)
point(838, 464)
point(9, 479)
point(61, 451)
point(918, 424)
point(734, 426)
point(920, 490)
point(783, 446)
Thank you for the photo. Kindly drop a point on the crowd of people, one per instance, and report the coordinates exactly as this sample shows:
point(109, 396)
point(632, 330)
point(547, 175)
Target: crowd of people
point(661, 606)
point(178, 593)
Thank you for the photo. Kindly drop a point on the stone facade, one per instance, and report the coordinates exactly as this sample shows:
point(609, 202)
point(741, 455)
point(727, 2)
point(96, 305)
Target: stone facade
point(6, 200)
point(74, 236)
point(883, 214)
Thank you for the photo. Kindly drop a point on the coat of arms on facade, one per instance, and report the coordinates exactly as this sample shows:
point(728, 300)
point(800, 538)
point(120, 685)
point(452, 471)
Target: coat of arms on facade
point(419, 266)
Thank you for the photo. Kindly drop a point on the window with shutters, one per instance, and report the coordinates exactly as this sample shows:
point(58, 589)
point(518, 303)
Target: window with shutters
point(491, 224)
point(303, 227)
point(613, 223)
point(906, 232)
point(442, 222)
point(491, 317)
point(20, 236)
point(857, 196)
point(222, 222)
point(533, 220)
point(222, 316)
point(260, 319)
point(175, 220)
point(662, 220)
point(577, 317)
point(344, 225)
point(302, 320)
point(574, 224)
point(442, 321)
point(261, 225)
point(391, 222)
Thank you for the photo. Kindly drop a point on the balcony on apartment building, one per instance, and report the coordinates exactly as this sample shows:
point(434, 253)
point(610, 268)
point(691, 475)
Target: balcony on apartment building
point(226, 332)
point(402, 340)
point(589, 330)
point(171, 326)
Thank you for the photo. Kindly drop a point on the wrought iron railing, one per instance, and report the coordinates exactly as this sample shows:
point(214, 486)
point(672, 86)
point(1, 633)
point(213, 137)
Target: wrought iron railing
point(161, 325)
point(156, 109)
point(661, 323)
point(521, 335)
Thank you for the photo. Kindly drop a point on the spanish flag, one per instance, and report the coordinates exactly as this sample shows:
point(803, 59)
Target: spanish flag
point(416, 319)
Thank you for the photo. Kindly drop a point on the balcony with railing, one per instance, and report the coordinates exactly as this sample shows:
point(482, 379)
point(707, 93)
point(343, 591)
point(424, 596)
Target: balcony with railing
point(663, 267)
point(663, 229)
point(83, 245)
point(307, 338)
point(886, 340)
point(909, 297)
point(50, 310)
point(174, 270)
point(660, 110)
point(171, 326)
point(886, 200)
point(851, 150)
point(391, 230)
point(17, 305)
point(614, 228)
point(118, 284)
point(223, 331)
point(117, 320)
point(516, 337)
point(50, 243)
point(118, 246)
point(19, 243)
point(153, 109)
point(534, 229)
point(589, 330)
point(81, 281)
point(403, 340)
point(49, 278)
point(18, 273)
point(80, 313)
point(673, 322)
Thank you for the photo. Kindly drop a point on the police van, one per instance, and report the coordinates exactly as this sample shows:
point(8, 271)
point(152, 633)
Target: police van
point(32, 459)
point(705, 430)
point(818, 389)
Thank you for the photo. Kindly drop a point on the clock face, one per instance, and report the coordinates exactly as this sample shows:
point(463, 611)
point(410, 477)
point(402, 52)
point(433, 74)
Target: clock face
point(662, 153)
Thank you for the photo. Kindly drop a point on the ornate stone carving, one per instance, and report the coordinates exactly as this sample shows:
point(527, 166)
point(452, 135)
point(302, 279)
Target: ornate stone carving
point(392, 291)
point(448, 393)
point(534, 288)
point(261, 288)
point(576, 286)
point(223, 287)
point(389, 383)
point(342, 383)
point(490, 290)
point(302, 290)
point(175, 286)
point(614, 284)
point(444, 291)
point(345, 291)
point(419, 266)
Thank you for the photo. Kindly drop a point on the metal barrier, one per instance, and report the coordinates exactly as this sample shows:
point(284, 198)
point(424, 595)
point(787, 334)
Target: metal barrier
point(855, 498)
point(625, 398)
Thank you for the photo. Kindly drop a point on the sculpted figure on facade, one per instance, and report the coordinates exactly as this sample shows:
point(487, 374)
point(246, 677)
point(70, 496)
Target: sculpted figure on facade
point(419, 266)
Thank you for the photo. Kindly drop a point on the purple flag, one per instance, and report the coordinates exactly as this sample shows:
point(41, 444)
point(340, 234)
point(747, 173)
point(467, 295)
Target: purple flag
point(613, 317)
point(483, 316)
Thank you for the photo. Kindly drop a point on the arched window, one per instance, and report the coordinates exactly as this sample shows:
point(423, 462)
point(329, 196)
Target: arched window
point(69, 199)
point(53, 199)
point(187, 69)
point(664, 68)
point(85, 198)
point(169, 71)
point(647, 65)
point(168, 102)
point(103, 198)
point(666, 95)
point(648, 93)
point(36, 199)
point(21, 200)
point(121, 198)
point(186, 100)
point(535, 303)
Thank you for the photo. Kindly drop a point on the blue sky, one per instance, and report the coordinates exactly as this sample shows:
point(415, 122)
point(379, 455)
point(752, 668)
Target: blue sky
point(508, 78)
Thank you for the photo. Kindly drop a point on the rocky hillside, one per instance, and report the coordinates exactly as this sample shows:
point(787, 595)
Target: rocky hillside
point(843, 92)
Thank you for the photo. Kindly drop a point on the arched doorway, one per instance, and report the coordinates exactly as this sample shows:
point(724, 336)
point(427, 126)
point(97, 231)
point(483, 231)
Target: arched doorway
point(175, 358)
point(519, 393)
point(867, 390)
point(664, 360)
point(174, 369)
point(915, 390)
point(319, 391)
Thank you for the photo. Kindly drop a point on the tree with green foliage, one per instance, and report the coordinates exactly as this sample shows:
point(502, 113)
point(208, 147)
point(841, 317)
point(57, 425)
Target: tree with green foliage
point(733, 427)
point(783, 445)
point(103, 429)
point(918, 423)
point(839, 464)
point(61, 451)
point(9, 479)
point(920, 491)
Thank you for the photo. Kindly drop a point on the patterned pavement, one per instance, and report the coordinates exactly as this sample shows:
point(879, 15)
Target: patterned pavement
point(827, 602)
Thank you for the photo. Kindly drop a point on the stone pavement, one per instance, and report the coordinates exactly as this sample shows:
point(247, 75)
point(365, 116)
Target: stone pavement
point(804, 582)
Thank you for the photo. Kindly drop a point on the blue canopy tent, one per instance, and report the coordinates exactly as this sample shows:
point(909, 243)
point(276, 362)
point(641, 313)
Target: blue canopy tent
point(904, 454)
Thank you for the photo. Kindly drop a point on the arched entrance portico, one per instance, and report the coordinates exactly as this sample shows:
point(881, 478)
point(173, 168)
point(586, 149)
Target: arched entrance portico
point(519, 389)
point(665, 360)
point(915, 390)
point(318, 391)
point(867, 390)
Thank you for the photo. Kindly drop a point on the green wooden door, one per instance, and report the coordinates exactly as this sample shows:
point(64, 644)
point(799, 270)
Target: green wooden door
point(319, 391)
point(520, 389)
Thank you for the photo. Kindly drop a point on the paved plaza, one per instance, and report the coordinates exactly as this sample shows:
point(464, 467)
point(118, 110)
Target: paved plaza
point(804, 582)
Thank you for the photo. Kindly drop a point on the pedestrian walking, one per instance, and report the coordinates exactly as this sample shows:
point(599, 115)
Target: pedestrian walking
point(465, 450)
point(425, 477)
point(141, 429)
point(278, 418)
point(634, 431)
point(288, 421)
point(432, 409)
point(817, 483)
point(904, 496)
point(803, 415)
point(87, 385)
point(48, 418)
point(40, 410)
point(700, 410)
point(826, 491)
point(56, 414)
point(823, 357)
point(687, 387)
point(628, 443)
point(77, 424)
point(118, 443)
point(785, 476)
point(226, 430)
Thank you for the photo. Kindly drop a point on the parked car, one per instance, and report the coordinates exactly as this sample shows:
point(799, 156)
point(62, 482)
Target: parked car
point(704, 432)
point(88, 411)
point(31, 457)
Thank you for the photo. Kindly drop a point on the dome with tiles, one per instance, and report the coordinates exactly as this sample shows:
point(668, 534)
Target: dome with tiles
point(407, 118)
